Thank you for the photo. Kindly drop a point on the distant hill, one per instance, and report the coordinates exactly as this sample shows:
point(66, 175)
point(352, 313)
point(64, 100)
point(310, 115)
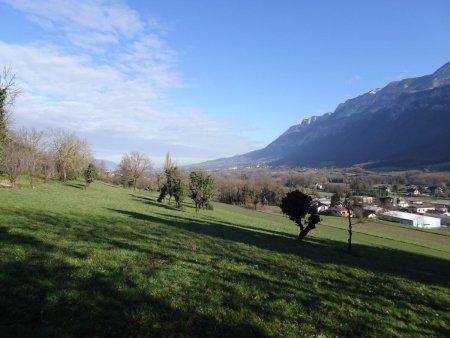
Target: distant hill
point(403, 125)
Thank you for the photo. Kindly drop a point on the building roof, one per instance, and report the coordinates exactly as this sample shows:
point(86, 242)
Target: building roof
point(403, 215)
point(442, 202)
point(325, 200)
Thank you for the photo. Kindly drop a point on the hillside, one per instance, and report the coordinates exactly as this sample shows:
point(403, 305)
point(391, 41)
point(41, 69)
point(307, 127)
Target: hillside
point(111, 262)
point(403, 125)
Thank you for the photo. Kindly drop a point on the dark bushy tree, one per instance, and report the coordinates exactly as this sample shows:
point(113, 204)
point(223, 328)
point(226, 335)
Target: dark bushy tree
point(8, 93)
point(296, 205)
point(200, 189)
point(90, 174)
point(173, 186)
point(179, 192)
point(3, 133)
point(335, 199)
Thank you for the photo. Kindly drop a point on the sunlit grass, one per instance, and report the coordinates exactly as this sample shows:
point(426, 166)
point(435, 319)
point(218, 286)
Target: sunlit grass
point(112, 262)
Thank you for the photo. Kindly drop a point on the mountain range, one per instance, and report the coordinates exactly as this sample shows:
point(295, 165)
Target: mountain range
point(403, 125)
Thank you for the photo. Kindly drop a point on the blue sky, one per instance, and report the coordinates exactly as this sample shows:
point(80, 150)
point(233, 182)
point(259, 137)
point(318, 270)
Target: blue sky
point(207, 79)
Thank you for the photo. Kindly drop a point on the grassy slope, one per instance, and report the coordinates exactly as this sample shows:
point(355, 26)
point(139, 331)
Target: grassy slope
point(113, 262)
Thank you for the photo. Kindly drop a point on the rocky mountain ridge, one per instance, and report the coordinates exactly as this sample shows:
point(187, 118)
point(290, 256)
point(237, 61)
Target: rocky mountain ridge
point(404, 124)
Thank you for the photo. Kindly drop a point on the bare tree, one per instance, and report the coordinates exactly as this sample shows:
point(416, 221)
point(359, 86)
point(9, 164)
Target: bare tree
point(71, 155)
point(8, 94)
point(48, 167)
point(12, 159)
point(32, 141)
point(134, 166)
point(349, 206)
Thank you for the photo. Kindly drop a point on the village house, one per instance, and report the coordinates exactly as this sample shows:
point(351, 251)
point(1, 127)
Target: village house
point(321, 207)
point(344, 211)
point(420, 209)
point(400, 202)
point(363, 199)
point(412, 190)
point(372, 211)
point(440, 209)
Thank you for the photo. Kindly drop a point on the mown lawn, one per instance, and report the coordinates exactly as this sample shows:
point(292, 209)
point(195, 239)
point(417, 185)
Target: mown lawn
point(111, 262)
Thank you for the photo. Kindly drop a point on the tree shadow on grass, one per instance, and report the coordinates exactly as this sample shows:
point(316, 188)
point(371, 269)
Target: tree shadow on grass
point(43, 295)
point(50, 297)
point(249, 227)
point(415, 267)
point(384, 263)
point(75, 185)
point(154, 202)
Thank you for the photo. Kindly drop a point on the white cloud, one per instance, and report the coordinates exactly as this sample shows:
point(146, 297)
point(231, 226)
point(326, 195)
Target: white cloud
point(109, 85)
point(89, 15)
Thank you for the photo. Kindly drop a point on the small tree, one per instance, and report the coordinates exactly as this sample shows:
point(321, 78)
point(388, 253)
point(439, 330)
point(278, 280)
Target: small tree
point(335, 199)
point(349, 206)
point(90, 174)
point(179, 192)
point(173, 186)
point(296, 205)
point(200, 189)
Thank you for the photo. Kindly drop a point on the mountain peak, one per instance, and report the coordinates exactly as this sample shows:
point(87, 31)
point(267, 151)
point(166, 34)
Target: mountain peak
point(441, 76)
point(310, 120)
point(445, 69)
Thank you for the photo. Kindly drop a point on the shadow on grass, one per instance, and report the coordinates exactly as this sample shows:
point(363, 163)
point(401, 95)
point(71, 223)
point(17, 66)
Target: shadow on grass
point(214, 220)
point(154, 202)
point(415, 267)
point(75, 185)
point(43, 295)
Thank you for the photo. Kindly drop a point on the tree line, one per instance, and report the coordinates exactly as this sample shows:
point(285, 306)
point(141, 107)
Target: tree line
point(48, 154)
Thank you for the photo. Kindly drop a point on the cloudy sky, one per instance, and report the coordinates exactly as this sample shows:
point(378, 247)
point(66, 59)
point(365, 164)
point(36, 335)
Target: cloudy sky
point(206, 79)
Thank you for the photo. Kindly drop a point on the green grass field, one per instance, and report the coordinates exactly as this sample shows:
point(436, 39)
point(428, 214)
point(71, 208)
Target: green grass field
point(110, 262)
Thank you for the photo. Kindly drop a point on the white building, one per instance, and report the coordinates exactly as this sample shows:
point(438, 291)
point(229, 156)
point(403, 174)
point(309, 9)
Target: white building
point(415, 220)
point(325, 201)
point(445, 219)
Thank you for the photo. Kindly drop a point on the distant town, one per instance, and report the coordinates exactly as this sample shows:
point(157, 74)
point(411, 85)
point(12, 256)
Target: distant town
point(415, 206)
